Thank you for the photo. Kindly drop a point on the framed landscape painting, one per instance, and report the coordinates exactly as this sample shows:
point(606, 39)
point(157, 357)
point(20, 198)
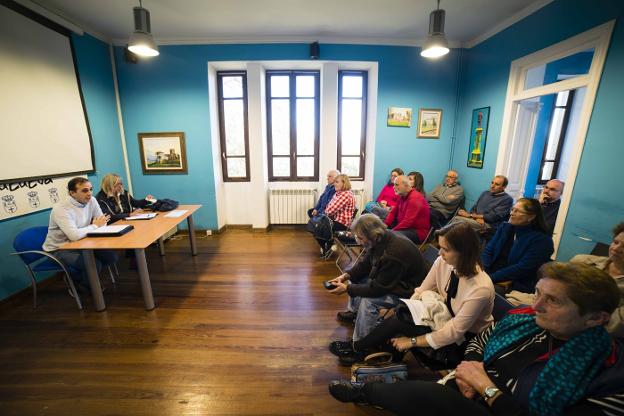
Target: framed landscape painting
point(429, 123)
point(478, 137)
point(162, 153)
point(399, 117)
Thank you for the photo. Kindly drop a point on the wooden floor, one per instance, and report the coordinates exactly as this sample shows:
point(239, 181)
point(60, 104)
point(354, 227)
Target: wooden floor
point(241, 329)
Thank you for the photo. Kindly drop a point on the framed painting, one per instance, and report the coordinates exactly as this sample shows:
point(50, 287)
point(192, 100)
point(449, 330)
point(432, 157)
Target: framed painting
point(399, 117)
point(162, 153)
point(478, 137)
point(429, 123)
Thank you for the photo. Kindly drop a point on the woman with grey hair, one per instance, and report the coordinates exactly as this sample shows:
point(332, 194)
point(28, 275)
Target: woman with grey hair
point(390, 268)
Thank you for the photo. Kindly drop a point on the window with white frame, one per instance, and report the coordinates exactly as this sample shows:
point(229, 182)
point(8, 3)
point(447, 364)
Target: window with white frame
point(232, 97)
point(293, 125)
point(352, 94)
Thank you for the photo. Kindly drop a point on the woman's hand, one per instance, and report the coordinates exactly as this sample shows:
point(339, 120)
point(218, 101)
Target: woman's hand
point(148, 197)
point(340, 289)
point(465, 389)
point(402, 343)
point(383, 203)
point(472, 373)
point(415, 295)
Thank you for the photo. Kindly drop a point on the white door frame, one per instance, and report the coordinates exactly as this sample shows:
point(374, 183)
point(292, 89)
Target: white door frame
point(597, 38)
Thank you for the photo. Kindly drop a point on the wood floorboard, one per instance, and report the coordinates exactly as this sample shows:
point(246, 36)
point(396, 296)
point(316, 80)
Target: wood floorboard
point(240, 329)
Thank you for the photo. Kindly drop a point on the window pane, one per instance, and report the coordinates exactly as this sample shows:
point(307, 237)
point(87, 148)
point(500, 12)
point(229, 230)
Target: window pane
point(281, 166)
point(280, 85)
point(547, 171)
point(350, 166)
point(233, 87)
point(305, 126)
point(280, 127)
point(352, 86)
point(555, 133)
point(568, 67)
point(351, 125)
point(236, 167)
point(562, 98)
point(305, 86)
point(234, 121)
point(305, 166)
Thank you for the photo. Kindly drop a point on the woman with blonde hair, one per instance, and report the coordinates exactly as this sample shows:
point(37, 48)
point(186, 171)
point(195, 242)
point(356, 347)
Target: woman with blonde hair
point(115, 201)
point(340, 209)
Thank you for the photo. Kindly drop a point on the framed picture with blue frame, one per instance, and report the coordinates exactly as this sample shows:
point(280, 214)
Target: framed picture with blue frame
point(478, 137)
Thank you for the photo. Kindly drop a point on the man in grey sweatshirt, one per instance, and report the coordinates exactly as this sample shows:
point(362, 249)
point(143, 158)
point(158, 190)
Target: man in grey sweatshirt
point(72, 220)
point(445, 199)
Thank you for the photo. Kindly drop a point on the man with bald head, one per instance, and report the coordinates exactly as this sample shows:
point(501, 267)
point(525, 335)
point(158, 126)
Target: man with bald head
point(550, 198)
point(326, 196)
point(410, 217)
point(445, 198)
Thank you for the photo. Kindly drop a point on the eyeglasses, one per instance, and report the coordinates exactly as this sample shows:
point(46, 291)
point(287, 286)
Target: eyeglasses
point(518, 211)
point(451, 177)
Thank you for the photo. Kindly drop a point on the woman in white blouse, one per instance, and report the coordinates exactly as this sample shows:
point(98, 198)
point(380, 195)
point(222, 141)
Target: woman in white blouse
point(463, 286)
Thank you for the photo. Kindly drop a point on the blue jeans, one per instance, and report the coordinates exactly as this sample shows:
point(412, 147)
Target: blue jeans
point(74, 259)
point(368, 312)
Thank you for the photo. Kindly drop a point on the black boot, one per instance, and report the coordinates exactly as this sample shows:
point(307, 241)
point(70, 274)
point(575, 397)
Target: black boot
point(348, 391)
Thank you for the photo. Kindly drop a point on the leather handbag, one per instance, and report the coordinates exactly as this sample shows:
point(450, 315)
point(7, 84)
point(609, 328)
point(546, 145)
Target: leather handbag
point(378, 367)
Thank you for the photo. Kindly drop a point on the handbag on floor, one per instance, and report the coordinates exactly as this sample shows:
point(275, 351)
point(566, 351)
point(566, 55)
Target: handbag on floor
point(378, 367)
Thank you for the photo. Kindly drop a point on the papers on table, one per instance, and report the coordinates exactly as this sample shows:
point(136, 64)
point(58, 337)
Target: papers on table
point(176, 213)
point(110, 231)
point(147, 216)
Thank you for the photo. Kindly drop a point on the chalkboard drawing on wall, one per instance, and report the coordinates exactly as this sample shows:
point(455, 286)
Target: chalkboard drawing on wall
point(429, 123)
point(162, 153)
point(8, 201)
point(478, 137)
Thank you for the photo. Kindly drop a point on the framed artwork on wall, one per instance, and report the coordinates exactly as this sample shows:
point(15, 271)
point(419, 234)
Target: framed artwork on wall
point(162, 153)
point(399, 117)
point(478, 137)
point(429, 123)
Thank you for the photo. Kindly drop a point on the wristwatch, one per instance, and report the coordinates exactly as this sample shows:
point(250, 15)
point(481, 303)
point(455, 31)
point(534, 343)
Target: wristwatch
point(490, 392)
point(413, 340)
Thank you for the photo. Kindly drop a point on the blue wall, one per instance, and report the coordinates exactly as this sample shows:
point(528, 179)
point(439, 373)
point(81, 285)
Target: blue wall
point(597, 199)
point(95, 72)
point(170, 93)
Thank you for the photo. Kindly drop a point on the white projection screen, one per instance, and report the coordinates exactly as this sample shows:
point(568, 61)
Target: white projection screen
point(45, 131)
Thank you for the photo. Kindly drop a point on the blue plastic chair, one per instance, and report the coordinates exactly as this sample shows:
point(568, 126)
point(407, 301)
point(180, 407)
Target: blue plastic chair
point(28, 246)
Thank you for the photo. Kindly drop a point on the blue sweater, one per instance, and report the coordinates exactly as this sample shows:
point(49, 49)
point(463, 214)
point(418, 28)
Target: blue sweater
point(495, 208)
point(529, 251)
point(326, 196)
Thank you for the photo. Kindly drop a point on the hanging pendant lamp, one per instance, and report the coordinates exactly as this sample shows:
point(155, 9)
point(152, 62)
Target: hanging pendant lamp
point(141, 41)
point(436, 44)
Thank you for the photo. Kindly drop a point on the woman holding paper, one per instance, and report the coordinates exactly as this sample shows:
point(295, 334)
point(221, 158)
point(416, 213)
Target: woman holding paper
point(466, 290)
point(116, 201)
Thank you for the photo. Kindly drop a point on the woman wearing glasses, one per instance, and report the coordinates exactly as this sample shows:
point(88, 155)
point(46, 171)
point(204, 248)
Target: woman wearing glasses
point(115, 201)
point(519, 247)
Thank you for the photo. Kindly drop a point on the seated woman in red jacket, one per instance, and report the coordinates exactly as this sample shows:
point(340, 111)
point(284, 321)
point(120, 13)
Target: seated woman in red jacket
point(340, 209)
point(387, 198)
point(411, 215)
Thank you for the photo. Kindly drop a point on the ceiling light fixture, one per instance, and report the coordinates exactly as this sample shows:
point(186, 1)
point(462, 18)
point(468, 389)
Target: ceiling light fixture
point(436, 44)
point(141, 41)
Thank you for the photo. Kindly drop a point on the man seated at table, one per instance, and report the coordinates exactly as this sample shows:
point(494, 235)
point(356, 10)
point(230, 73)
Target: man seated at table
point(326, 196)
point(71, 220)
point(491, 209)
point(445, 198)
point(410, 217)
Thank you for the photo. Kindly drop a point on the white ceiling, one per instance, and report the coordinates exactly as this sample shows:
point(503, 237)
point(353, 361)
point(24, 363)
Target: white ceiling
point(397, 22)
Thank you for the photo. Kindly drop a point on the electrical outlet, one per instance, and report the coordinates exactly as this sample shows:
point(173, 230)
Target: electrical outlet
point(208, 232)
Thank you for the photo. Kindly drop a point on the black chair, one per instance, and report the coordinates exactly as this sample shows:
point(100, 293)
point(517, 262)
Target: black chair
point(430, 253)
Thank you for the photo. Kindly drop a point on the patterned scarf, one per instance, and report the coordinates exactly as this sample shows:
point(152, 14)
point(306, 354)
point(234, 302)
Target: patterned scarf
point(567, 374)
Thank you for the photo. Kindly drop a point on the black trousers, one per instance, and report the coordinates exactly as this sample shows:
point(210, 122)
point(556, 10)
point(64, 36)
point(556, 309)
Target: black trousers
point(326, 244)
point(411, 234)
point(387, 329)
point(422, 398)
point(437, 219)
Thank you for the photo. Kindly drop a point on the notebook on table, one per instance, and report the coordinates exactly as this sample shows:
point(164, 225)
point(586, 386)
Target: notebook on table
point(111, 231)
point(147, 216)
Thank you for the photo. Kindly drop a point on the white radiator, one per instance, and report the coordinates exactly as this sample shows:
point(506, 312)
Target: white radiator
point(290, 206)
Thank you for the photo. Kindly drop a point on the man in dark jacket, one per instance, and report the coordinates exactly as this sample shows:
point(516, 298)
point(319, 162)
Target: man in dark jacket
point(492, 207)
point(391, 268)
point(326, 196)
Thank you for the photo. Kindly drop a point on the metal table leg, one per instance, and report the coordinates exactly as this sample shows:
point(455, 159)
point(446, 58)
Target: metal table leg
point(161, 246)
point(94, 280)
point(146, 285)
point(191, 228)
